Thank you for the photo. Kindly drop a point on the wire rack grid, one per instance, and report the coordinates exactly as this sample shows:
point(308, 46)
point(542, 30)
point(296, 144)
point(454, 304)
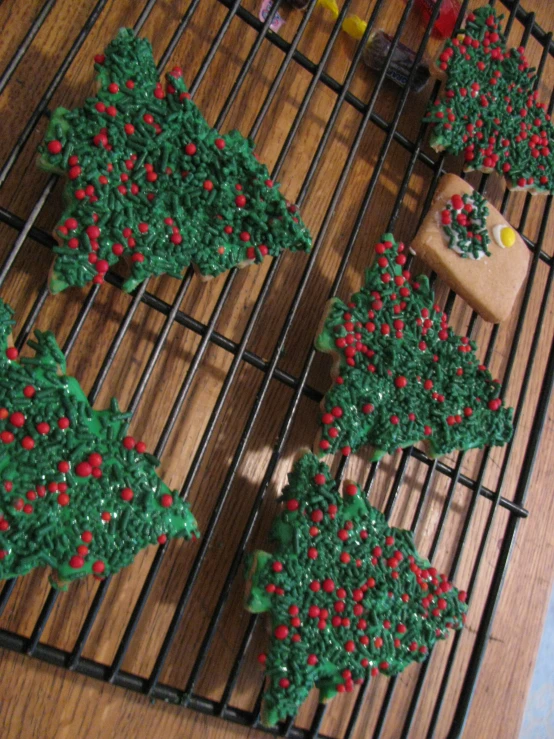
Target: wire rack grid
point(245, 388)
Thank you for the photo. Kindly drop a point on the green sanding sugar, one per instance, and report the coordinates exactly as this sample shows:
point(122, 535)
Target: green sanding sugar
point(150, 180)
point(464, 221)
point(404, 375)
point(349, 596)
point(76, 493)
point(489, 109)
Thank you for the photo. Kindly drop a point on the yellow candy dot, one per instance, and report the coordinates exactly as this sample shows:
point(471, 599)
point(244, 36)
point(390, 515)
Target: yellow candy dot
point(331, 6)
point(508, 237)
point(354, 26)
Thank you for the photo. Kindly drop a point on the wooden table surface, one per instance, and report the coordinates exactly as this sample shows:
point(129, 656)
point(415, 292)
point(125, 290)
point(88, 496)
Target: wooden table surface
point(42, 701)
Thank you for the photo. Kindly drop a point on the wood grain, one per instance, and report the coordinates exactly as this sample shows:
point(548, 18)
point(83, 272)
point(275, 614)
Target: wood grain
point(42, 701)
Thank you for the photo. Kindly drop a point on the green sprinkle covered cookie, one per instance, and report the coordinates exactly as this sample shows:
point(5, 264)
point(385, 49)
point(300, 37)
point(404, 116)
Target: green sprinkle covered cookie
point(349, 597)
point(489, 110)
point(401, 374)
point(76, 493)
point(150, 180)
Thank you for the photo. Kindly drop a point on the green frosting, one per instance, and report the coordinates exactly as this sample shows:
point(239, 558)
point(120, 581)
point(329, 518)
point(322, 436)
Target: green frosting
point(148, 178)
point(404, 375)
point(349, 596)
point(489, 109)
point(76, 493)
point(464, 221)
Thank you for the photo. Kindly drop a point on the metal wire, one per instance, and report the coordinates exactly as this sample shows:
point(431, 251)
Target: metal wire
point(26, 229)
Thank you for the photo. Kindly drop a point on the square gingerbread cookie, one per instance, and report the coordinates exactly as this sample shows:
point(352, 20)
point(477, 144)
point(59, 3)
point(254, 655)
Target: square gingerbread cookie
point(473, 248)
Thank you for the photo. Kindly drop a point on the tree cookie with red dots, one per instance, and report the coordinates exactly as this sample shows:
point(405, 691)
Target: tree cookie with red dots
point(400, 373)
point(76, 493)
point(349, 597)
point(489, 110)
point(150, 180)
point(473, 248)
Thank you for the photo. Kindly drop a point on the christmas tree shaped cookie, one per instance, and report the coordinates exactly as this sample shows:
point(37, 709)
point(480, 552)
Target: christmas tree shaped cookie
point(76, 493)
point(150, 180)
point(401, 374)
point(349, 597)
point(489, 109)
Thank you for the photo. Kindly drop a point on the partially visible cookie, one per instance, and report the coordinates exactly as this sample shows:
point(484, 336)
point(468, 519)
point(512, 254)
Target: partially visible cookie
point(489, 109)
point(473, 248)
point(348, 596)
point(150, 181)
point(77, 493)
point(400, 373)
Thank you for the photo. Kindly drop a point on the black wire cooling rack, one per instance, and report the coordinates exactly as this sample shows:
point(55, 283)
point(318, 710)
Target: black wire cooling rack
point(189, 695)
